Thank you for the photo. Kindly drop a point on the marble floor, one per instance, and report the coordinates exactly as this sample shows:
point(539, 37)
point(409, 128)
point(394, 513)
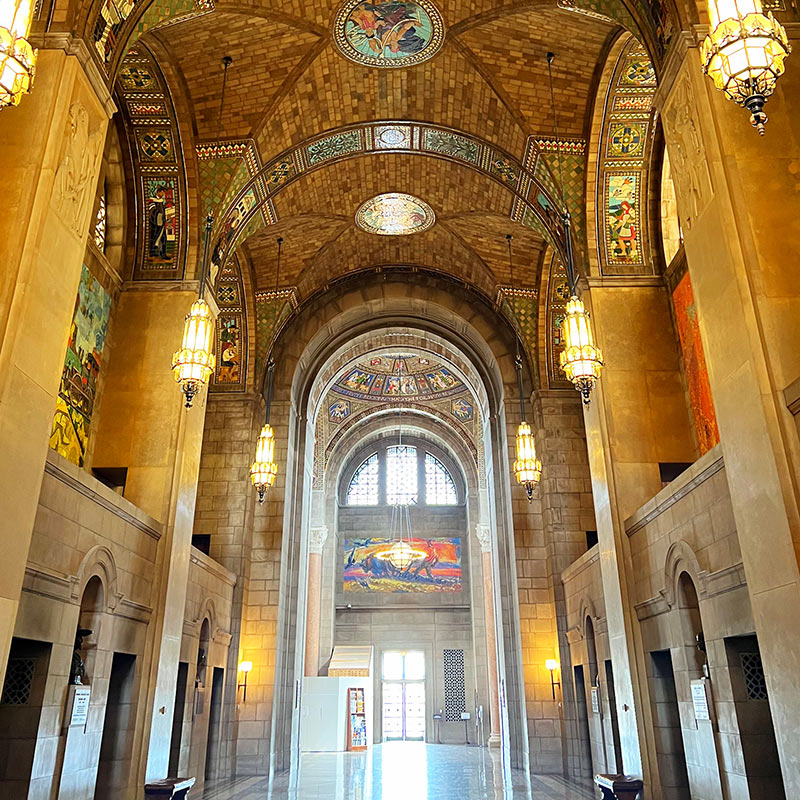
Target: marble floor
point(400, 771)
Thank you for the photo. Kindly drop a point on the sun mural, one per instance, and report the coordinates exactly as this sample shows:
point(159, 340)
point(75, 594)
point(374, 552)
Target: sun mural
point(394, 214)
point(388, 33)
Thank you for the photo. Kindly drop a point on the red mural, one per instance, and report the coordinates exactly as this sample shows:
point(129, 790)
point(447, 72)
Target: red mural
point(705, 419)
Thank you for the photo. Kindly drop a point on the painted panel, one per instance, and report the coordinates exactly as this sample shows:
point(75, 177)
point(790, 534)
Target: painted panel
point(229, 356)
point(622, 218)
point(438, 571)
point(76, 395)
point(161, 223)
point(705, 418)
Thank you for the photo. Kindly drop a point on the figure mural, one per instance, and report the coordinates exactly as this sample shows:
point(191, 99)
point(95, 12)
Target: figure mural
point(623, 225)
point(388, 33)
point(438, 571)
point(230, 358)
point(161, 219)
point(75, 401)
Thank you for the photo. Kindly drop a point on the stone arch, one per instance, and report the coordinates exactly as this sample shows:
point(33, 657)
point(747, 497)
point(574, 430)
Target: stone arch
point(587, 612)
point(308, 344)
point(99, 563)
point(681, 559)
point(207, 612)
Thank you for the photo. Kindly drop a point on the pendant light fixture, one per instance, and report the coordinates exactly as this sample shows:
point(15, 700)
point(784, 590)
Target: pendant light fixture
point(744, 54)
point(527, 468)
point(401, 555)
point(17, 57)
point(193, 364)
point(581, 360)
point(264, 470)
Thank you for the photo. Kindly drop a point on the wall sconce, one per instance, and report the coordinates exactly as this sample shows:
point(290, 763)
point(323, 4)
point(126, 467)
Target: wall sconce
point(552, 666)
point(244, 667)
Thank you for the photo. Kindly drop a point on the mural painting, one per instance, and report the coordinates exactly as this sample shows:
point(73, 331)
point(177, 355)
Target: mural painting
point(230, 228)
point(339, 411)
point(439, 570)
point(388, 33)
point(76, 395)
point(461, 409)
point(705, 418)
point(161, 223)
point(358, 381)
point(623, 225)
point(230, 349)
point(394, 214)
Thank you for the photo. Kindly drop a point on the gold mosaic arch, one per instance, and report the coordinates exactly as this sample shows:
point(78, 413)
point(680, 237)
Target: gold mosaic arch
point(525, 182)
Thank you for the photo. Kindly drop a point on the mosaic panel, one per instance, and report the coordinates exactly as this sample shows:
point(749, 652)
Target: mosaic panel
point(450, 144)
point(339, 411)
point(338, 144)
point(694, 361)
point(231, 331)
point(272, 308)
point(395, 214)
point(638, 71)
point(391, 137)
point(229, 349)
point(626, 139)
point(155, 145)
point(161, 222)
point(521, 307)
point(76, 394)
point(135, 77)
point(623, 244)
point(388, 33)
point(559, 293)
point(109, 25)
point(461, 409)
point(438, 568)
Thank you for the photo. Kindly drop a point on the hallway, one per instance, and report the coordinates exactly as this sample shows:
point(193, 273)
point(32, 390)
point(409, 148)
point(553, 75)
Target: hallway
point(400, 771)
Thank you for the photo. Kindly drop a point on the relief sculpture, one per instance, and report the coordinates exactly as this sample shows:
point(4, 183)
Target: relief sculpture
point(687, 153)
point(77, 171)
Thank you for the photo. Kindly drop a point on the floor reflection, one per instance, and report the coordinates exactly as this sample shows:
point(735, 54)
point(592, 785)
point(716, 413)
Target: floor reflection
point(401, 771)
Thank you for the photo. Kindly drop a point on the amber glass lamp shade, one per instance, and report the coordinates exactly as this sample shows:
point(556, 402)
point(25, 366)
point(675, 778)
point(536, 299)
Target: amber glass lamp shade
point(744, 53)
point(527, 468)
point(581, 359)
point(264, 470)
point(17, 57)
point(193, 364)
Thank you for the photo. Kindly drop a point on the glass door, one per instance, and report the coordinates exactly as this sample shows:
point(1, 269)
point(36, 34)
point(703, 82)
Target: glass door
point(403, 701)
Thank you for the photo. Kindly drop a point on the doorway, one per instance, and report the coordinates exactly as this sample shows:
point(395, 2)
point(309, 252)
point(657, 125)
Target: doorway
point(403, 696)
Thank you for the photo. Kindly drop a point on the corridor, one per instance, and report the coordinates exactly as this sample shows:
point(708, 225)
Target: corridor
point(400, 771)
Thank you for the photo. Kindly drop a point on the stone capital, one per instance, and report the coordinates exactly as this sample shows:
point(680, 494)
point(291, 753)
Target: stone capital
point(484, 534)
point(316, 539)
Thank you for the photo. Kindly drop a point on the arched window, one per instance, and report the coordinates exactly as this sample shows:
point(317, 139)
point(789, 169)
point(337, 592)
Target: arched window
point(439, 487)
point(363, 489)
point(100, 223)
point(401, 475)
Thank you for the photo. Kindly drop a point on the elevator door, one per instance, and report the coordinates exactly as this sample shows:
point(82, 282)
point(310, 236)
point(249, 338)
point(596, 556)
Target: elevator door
point(403, 701)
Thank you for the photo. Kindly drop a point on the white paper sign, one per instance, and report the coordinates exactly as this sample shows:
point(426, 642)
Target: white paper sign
point(700, 700)
point(80, 705)
point(595, 700)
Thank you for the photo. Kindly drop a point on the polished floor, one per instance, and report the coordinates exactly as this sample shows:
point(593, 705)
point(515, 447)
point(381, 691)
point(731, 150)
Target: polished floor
point(400, 771)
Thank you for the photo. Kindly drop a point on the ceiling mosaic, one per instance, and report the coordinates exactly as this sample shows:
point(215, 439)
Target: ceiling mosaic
point(388, 33)
point(382, 378)
point(395, 214)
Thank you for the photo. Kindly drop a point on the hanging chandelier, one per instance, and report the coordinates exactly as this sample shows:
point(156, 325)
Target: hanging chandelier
point(17, 57)
point(527, 468)
point(401, 555)
point(264, 470)
point(581, 360)
point(744, 54)
point(193, 364)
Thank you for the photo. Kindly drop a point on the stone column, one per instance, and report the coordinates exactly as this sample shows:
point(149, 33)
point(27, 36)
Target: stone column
point(739, 207)
point(144, 426)
point(484, 534)
point(51, 147)
point(316, 542)
point(637, 417)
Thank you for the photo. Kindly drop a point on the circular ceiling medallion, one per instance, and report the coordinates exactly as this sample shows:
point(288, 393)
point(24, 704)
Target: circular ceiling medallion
point(394, 214)
point(388, 33)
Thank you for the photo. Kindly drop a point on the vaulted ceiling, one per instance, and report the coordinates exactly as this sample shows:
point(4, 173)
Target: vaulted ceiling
point(289, 82)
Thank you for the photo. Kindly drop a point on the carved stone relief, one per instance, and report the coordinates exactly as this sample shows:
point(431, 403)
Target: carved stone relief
point(687, 152)
point(75, 176)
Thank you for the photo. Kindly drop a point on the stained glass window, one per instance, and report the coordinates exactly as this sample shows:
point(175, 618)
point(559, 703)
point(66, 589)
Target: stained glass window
point(100, 223)
point(363, 489)
point(439, 487)
point(401, 475)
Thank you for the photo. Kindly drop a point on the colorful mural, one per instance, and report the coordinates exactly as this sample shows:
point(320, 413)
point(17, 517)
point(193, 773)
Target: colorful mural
point(109, 23)
point(439, 570)
point(622, 210)
point(394, 214)
point(705, 418)
point(388, 33)
point(339, 411)
point(75, 402)
point(229, 355)
point(161, 223)
point(461, 409)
